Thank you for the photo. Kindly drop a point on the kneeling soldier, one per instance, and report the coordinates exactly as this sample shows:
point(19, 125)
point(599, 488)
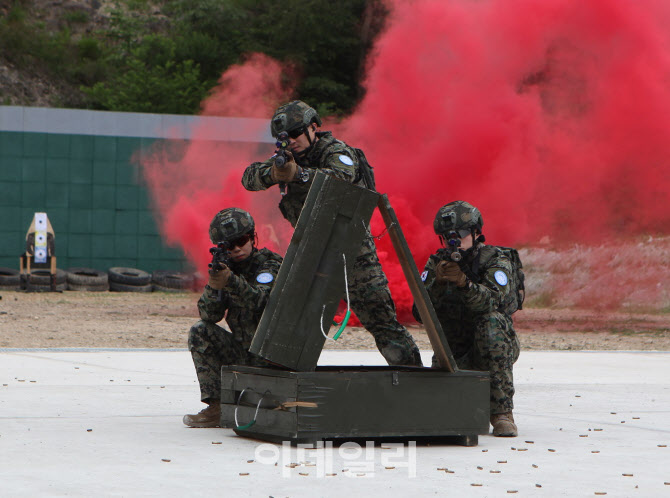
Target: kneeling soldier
point(238, 288)
point(473, 289)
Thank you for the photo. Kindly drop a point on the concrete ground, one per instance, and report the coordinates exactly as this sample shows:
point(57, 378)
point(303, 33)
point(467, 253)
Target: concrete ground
point(108, 423)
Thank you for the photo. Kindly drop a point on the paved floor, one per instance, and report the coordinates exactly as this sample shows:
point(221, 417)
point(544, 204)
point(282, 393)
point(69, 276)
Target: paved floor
point(108, 423)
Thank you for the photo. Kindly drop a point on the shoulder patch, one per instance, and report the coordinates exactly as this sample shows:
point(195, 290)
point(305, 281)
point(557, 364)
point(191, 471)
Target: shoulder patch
point(424, 275)
point(501, 277)
point(346, 160)
point(265, 278)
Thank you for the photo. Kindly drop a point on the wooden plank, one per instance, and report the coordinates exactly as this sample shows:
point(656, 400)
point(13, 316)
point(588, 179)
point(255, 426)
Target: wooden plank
point(310, 282)
point(279, 386)
point(433, 328)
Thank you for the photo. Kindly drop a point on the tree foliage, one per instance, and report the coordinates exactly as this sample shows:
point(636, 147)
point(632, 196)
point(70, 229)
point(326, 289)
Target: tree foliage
point(167, 63)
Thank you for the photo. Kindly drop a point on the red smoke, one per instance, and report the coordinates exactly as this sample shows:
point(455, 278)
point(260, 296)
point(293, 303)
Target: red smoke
point(552, 117)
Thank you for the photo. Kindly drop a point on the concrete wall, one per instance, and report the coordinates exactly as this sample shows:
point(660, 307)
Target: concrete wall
point(76, 166)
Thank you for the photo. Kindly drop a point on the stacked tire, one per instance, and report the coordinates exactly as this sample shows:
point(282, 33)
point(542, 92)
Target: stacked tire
point(123, 279)
point(9, 279)
point(87, 279)
point(170, 281)
point(40, 281)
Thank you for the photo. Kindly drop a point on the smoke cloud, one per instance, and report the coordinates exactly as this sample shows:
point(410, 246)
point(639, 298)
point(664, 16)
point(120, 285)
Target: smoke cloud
point(552, 117)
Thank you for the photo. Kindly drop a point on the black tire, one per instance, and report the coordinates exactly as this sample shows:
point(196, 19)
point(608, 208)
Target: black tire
point(172, 279)
point(128, 276)
point(45, 287)
point(117, 287)
point(9, 277)
point(86, 277)
point(89, 288)
point(160, 288)
point(10, 287)
point(42, 277)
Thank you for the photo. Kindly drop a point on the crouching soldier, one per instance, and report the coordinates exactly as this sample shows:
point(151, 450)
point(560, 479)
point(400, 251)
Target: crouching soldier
point(238, 288)
point(474, 289)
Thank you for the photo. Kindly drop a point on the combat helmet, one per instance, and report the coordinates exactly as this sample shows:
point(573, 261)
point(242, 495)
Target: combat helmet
point(457, 216)
point(293, 116)
point(230, 224)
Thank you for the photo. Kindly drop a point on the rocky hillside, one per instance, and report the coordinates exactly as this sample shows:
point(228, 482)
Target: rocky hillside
point(34, 30)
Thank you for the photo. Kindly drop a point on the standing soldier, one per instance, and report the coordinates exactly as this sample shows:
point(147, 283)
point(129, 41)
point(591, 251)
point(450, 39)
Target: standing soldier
point(473, 288)
point(238, 289)
point(309, 151)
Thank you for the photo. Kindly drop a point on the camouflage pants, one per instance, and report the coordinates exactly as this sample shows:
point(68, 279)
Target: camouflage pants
point(494, 349)
point(370, 298)
point(211, 348)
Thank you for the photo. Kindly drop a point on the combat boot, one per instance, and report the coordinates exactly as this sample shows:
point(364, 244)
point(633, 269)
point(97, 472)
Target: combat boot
point(503, 425)
point(208, 417)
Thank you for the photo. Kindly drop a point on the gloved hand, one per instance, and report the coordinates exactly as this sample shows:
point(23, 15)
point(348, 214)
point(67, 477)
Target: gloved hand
point(219, 279)
point(286, 174)
point(449, 271)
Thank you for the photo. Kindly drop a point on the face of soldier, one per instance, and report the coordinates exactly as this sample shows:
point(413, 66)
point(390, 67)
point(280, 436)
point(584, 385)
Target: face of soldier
point(301, 142)
point(240, 253)
point(466, 242)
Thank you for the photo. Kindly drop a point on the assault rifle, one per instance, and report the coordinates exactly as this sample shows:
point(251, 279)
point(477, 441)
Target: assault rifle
point(281, 157)
point(451, 252)
point(220, 258)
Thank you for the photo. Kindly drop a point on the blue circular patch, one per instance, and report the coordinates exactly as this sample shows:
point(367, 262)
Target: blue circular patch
point(265, 278)
point(501, 277)
point(424, 275)
point(346, 160)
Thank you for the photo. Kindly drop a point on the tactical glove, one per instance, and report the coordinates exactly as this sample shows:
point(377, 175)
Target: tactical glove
point(219, 279)
point(449, 271)
point(287, 173)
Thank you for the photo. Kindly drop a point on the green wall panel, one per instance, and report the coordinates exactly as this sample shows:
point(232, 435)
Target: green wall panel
point(103, 246)
point(102, 221)
point(146, 223)
point(78, 245)
point(127, 149)
point(80, 196)
point(33, 169)
point(81, 147)
point(58, 170)
point(10, 168)
point(10, 195)
point(127, 197)
point(91, 191)
point(80, 221)
point(33, 195)
point(80, 171)
point(57, 195)
point(34, 145)
point(104, 172)
point(104, 148)
point(11, 143)
point(10, 221)
point(12, 245)
point(126, 246)
point(104, 196)
point(126, 222)
point(58, 145)
point(77, 263)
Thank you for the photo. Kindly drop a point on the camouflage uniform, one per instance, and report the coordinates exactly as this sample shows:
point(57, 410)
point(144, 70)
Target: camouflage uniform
point(480, 334)
point(369, 293)
point(244, 299)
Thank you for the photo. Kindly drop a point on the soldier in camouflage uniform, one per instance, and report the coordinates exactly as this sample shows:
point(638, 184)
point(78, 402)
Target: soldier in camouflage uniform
point(310, 150)
point(469, 289)
point(239, 291)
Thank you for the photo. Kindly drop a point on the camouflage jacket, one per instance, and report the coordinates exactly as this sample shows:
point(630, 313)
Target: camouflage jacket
point(327, 154)
point(486, 291)
point(245, 295)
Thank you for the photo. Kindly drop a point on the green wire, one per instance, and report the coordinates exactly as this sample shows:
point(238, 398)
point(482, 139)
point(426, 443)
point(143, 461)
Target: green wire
point(344, 324)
